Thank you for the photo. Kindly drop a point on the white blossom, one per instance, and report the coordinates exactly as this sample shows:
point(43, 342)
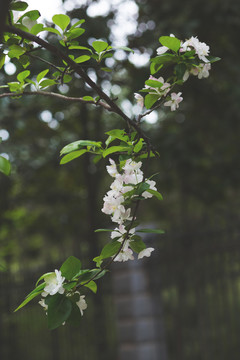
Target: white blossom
point(174, 102)
point(112, 169)
point(201, 49)
point(54, 282)
point(81, 303)
point(42, 303)
point(145, 252)
point(120, 231)
point(152, 184)
point(125, 254)
point(26, 21)
point(140, 99)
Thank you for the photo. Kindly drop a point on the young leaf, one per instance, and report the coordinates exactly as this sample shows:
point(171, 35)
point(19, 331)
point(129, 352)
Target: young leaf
point(23, 75)
point(151, 231)
point(79, 22)
point(5, 166)
point(27, 300)
point(125, 48)
point(82, 59)
point(154, 83)
point(114, 149)
point(18, 6)
point(99, 45)
point(138, 146)
point(2, 60)
point(88, 98)
point(150, 100)
point(70, 268)
point(41, 75)
point(32, 15)
point(155, 193)
point(137, 245)
point(61, 20)
point(15, 51)
point(73, 155)
point(37, 28)
point(78, 144)
point(46, 83)
point(171, 42)
point(52, 30)
point(103, 230)
point(92, 286)
point(59, 310)
point(110, 249)
point(180, 70)
point(73, 34)
point(38, 289)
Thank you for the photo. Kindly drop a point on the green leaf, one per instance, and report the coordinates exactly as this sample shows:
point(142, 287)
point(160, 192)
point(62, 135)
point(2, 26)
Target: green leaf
point(79, 22)
point(154, 83)
point(52, 30)
point(78, 144)
point(114, 149)
point(32, 15)
point(141, 188)
point(46, 83)
point(106, 69)
point(43, 276)
point(70, 285)
point(23, 75)
point(88, 98)
point(155, 68)
point(59, 310)
point(118, 134)
point(171, 42)
point(15, 51)
point(73, 34)
point(110, 249)
point(61, 20)
point(70, 268)
point(102, 230)
point(18, 6)
point(92, 286)
point(155, 193)
point(138, 146)
point(37, 28)
point(164, 59)
point(99, 45)
point(78, 47)
point(27, 300)
point(213, 59)
point(125, 48)
point(75, 316)
point(73, 155)
point(67, 78)
point(98, 261)
point(2, 60)
point(151, 231)
point(38, 289)
point(137, 245)
point(5, 166)
point(150, 100)
point(41, 75)
point(180, 70)
point(82, 59)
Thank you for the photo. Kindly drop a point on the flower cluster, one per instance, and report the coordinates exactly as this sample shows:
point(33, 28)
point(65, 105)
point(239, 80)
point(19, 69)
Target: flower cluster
point(200, 67)
point(54, 284)
point(122, 189)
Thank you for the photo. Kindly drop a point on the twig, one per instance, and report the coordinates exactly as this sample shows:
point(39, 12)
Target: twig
point(58, 96)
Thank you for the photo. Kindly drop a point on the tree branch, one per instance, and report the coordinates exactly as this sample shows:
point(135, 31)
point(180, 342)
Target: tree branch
point(58, 96)
point(79, 70)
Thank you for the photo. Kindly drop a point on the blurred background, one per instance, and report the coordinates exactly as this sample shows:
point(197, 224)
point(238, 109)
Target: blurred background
point(183, 303)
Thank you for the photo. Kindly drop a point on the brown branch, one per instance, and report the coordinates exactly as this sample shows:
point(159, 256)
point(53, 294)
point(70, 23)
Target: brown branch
point(79, 70)
point(58, 96)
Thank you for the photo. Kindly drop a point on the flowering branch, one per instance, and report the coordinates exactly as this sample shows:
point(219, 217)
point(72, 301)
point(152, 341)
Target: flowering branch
point(59, 289)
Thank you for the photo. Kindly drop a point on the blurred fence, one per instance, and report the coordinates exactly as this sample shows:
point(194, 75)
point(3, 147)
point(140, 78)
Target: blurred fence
point(193, 281)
